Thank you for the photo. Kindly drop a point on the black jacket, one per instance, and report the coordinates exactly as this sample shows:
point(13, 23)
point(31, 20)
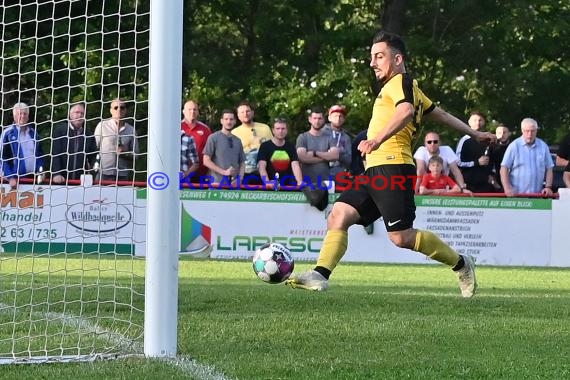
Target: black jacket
point(476, 177)
point(73, 151)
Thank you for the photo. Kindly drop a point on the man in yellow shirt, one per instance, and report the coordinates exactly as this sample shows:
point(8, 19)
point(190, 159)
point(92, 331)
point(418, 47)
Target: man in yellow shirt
point(397, 113)
point(251, 134)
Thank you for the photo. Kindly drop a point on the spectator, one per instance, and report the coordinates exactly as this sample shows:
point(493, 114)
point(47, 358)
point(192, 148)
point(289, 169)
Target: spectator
point(22, 156)
point(223, 154)
point(278, 156)
point(251, 134)
point(118, 145)
point(189, 158)
point(357, 164)
point(316, 150)
point(197, 130)
point(566, 176)
point(73, 148)
point(563, 154)
point(474, 159)
point(436, 182)
point(432, 147)
point(341, 139)
point(497, 153)
point(526, 163)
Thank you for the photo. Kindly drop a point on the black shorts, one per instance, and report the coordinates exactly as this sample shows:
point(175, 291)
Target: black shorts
point(389, 194)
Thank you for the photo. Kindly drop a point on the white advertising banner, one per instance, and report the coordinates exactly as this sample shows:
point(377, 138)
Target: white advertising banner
point(61, 219)
point(497, 231)
point(232, 224)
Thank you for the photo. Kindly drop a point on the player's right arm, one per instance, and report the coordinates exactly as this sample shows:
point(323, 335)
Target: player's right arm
point(403, 115)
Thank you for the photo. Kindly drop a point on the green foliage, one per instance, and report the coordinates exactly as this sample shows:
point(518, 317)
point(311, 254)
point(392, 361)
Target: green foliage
point(507, 59)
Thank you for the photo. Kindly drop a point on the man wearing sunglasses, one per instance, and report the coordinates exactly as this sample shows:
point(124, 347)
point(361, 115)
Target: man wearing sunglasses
point(432, 147)
point(118, 146)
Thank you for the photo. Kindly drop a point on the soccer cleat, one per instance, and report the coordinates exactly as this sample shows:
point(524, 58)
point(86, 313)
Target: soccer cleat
point(466, 277)
point(310, 280)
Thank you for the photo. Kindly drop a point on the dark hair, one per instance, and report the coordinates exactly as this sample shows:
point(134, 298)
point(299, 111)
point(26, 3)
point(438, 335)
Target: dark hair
point(227, 110)
point(245, 103)
point(394, 41)
point(480, 114)
point(316, 110)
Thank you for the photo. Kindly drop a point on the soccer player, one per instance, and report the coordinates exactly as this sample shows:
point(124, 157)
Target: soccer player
point(398, 110)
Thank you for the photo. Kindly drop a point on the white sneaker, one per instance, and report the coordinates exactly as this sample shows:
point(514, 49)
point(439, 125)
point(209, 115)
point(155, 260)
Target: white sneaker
point(310, 280)
point(466, 277)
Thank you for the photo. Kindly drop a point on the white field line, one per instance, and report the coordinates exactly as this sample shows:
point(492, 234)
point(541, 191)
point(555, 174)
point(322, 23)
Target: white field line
point(198, 371)
point(187, 365)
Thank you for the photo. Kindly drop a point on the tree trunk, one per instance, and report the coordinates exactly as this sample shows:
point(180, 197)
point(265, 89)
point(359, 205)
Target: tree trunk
point(393, 15)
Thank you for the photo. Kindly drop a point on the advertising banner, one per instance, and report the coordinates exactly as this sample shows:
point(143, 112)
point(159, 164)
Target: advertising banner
point(232, 224)
point(61, 219)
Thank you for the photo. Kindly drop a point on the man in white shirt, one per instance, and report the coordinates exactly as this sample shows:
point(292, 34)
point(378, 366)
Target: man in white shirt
point(432, 148)
point(117, 142)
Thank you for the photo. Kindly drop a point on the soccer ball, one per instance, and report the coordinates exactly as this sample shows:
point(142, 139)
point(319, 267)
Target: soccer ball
point(273, 263)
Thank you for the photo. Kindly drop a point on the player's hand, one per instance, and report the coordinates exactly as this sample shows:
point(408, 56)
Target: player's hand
point(486, 138)
point(368, 146)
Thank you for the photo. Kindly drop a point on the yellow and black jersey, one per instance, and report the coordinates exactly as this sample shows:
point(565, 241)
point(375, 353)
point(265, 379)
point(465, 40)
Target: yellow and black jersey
point(398, 148)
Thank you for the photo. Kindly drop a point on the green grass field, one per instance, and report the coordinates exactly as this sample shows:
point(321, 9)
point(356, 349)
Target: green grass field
point(375, 322)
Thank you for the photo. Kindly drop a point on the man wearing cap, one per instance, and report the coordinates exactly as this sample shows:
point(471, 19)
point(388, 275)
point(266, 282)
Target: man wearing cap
point(340, 139)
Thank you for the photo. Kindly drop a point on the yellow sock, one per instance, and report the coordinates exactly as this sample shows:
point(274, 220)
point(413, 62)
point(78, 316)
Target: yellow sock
point(333, 249)
point(431, 245)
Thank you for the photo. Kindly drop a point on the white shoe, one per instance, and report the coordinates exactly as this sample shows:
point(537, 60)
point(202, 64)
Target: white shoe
point(310, 280)
point(466, 277)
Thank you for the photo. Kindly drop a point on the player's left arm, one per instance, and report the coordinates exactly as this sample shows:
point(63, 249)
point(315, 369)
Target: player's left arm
point(440, 116)
point(403, 115)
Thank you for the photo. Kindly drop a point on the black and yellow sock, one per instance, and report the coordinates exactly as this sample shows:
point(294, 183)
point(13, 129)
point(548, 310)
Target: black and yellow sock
point(431, 245)
point(333, 249)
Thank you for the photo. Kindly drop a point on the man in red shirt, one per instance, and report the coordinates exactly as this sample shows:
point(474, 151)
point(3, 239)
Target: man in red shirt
point(198, 130)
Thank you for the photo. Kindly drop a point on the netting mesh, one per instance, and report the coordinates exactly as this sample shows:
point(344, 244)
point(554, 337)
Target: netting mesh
point(70, 285)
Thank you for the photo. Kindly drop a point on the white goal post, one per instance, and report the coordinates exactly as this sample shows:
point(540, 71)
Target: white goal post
point(88, 87)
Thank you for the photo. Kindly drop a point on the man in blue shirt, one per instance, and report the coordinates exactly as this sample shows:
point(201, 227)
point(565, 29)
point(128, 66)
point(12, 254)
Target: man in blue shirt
point(22, 156)
point(527, 163)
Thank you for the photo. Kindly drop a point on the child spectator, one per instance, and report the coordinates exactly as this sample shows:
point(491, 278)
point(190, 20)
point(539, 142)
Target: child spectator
point(435, 182)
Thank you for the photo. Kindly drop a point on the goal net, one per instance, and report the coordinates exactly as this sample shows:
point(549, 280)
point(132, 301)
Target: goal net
point(71, 287)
